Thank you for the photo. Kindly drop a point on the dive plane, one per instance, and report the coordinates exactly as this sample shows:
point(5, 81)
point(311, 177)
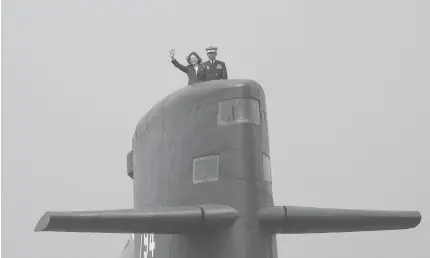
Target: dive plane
point(200, 165)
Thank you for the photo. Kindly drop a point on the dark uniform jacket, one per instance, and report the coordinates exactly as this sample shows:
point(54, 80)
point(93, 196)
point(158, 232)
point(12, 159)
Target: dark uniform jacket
point(208, 71)
point(189, 70)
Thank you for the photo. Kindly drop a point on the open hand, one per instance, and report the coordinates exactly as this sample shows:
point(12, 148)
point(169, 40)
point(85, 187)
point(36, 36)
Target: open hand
point(172, 53)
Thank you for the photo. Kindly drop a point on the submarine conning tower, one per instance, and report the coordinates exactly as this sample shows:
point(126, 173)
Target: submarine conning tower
point(202, 183)
point(204, 143)
point(207, 144)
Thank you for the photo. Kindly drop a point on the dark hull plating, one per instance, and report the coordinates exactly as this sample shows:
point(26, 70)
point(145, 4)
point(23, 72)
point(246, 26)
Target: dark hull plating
point(184, 126)
point(202, 185)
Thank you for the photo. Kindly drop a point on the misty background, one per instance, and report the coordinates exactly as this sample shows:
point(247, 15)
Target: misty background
point(348, 98)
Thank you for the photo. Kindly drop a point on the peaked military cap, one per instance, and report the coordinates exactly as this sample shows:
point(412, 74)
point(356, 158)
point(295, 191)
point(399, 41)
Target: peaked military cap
point(211, 49)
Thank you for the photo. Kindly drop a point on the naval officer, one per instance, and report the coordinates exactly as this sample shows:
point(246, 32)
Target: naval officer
point(212, 69)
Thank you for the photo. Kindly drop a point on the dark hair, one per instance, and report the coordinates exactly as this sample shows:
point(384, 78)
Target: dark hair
point(199, 60)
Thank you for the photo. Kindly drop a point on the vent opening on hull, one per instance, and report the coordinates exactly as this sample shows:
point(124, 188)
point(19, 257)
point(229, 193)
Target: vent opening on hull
point(234, 111)
point(205, 169)
point(267, 173)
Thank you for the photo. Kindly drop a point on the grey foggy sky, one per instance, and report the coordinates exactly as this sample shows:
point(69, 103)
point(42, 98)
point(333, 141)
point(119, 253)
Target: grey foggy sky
point(347, 85)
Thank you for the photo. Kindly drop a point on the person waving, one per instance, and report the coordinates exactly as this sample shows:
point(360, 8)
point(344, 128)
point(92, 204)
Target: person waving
point(193, 60)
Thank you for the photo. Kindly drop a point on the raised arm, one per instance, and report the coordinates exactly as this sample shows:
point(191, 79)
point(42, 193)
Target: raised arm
point(179, 66)
point(176, 63)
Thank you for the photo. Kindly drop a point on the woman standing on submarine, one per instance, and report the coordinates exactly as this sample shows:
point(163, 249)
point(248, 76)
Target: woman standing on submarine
point(193, 60)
